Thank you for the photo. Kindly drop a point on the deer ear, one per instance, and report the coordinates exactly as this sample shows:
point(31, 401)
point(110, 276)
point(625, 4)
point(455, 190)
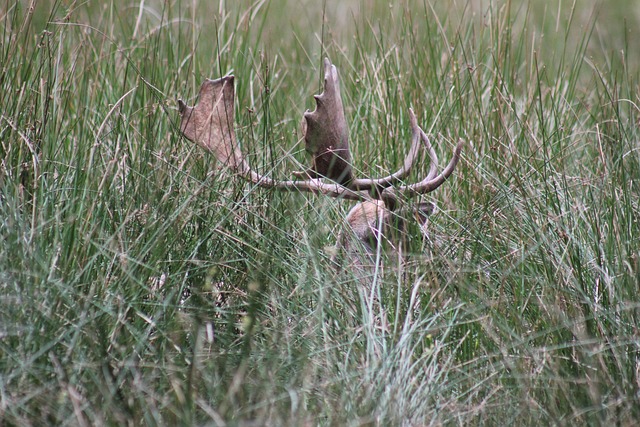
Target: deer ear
point(210, 122)
point(325, 131)
point(422, 211)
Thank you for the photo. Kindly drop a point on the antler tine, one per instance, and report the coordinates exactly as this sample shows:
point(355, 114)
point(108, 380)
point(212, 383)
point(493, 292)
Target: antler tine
point(430, 183)
point(409, 161)
point(433, 168)
point(210, 124)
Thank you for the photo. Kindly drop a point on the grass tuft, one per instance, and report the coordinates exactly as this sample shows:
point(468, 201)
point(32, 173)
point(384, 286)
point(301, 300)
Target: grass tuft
point(142, 284)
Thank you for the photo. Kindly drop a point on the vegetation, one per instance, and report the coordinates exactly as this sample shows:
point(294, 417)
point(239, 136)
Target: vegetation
point(142, 284)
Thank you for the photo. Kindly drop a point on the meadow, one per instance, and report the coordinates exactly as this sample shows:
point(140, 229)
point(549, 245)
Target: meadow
point(143, 284)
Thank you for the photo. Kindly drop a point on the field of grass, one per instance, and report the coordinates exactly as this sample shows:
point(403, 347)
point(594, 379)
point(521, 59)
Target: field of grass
point(141, 284)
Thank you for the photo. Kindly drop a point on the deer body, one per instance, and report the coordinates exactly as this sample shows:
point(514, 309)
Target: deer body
point(381, 201)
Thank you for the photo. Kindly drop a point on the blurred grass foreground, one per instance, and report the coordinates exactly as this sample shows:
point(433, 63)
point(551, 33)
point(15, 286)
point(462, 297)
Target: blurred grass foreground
point(142, 284)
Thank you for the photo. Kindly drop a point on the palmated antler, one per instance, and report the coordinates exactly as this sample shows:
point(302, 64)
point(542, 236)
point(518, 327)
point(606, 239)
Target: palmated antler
point(326, 134)
point(327, 139)
point(210, 124)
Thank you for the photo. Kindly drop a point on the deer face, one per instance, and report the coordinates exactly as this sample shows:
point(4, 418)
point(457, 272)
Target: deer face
point(369, 221)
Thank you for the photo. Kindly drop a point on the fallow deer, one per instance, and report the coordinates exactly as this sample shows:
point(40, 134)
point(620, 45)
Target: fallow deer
point(210, 124)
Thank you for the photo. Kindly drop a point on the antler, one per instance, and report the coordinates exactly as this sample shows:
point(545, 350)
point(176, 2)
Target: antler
point(210, 124)
point(431, 182)
point(326, 134)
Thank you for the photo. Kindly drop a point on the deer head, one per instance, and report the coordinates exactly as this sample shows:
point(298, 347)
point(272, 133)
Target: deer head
point(210, 124)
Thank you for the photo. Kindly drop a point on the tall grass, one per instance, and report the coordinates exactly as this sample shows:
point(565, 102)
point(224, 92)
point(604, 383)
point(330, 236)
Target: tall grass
point(142, 284)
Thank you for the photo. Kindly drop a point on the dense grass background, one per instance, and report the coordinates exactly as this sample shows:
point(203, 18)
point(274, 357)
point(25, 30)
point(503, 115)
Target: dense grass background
point(140, 284)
